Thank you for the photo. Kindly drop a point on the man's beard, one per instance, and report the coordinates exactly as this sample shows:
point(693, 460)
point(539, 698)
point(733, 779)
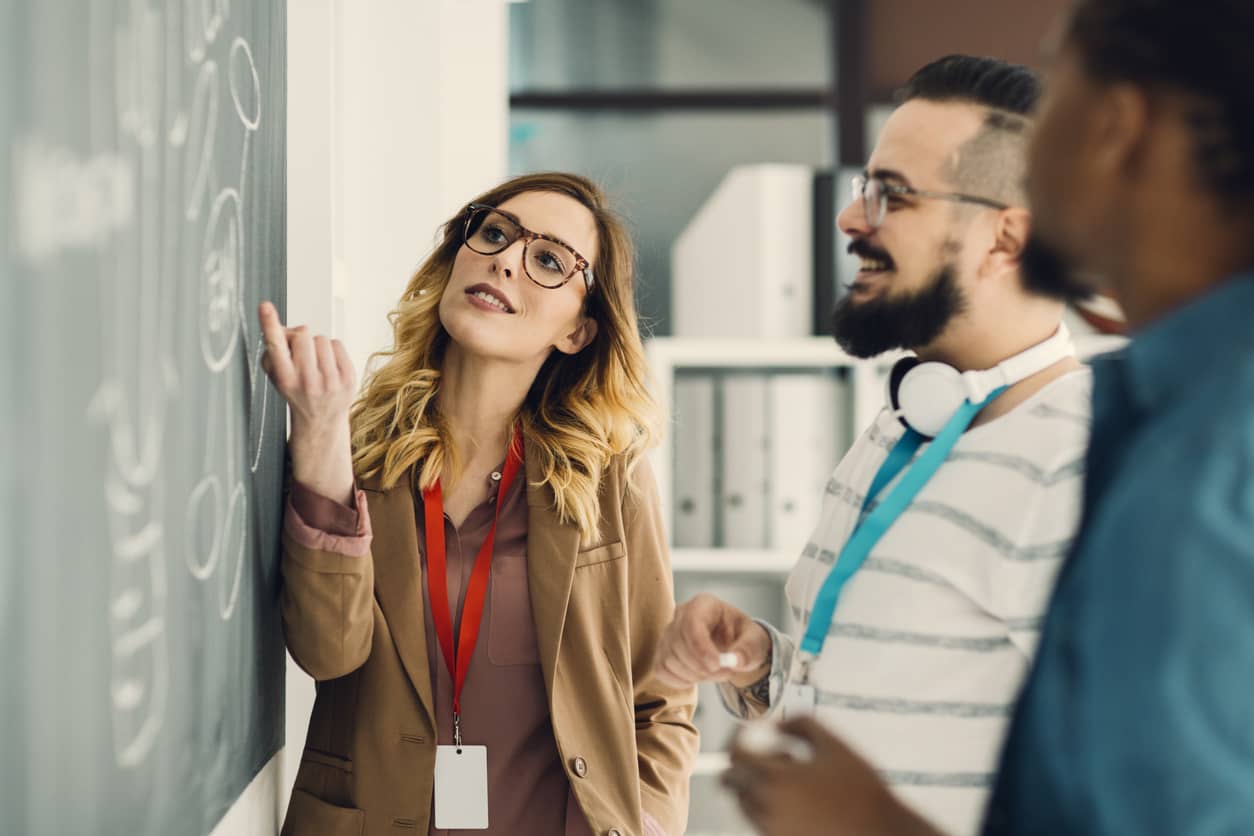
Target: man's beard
point(865, 329)
point(1046, 273)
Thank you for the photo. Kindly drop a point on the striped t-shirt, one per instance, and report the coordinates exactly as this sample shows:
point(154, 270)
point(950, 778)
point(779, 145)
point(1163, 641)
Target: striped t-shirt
point(931, 639)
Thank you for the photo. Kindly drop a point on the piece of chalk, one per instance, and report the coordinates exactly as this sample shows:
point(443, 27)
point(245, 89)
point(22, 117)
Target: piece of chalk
point(728, 660)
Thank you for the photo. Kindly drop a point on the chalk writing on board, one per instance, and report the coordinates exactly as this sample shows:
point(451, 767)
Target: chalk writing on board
point(66, 201)
point(151, 181)
point(204, 120)
point(246, 96)
point(139, 379)
point(224, 328)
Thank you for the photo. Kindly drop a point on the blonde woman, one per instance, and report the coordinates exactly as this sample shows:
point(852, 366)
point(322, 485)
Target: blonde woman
point(514, 696)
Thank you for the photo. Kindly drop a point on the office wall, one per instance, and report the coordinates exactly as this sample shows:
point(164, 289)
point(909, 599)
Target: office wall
point(906, 34)
point(397, 115)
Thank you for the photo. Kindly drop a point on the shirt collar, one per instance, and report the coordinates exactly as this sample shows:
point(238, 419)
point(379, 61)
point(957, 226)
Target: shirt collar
point(1164, 358)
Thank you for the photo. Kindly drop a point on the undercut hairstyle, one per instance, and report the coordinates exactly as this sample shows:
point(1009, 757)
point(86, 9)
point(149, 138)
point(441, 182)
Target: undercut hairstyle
point(1201, 49)
point(992, 163)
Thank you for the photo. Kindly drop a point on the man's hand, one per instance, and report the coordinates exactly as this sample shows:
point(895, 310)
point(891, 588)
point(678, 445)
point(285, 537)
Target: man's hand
point(704, 629)
point(835, 793)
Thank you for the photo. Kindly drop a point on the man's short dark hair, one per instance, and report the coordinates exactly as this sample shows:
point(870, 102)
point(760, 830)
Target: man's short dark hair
point(1202, 49)
point(993, 83)
point(991, 163)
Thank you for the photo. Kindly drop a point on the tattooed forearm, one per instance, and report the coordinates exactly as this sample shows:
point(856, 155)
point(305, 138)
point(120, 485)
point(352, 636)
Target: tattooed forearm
point(752, 700)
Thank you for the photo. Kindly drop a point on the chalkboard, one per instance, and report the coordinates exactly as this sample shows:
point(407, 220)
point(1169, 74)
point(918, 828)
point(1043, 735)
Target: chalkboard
point(142, 215)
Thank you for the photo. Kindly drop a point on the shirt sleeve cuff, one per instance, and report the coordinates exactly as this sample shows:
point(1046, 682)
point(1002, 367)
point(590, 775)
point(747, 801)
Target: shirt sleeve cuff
point(316, 522)
point(323, 513)
point(739, 703)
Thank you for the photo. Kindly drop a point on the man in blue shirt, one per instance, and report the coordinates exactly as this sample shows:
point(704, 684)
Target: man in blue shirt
point(1138, 717)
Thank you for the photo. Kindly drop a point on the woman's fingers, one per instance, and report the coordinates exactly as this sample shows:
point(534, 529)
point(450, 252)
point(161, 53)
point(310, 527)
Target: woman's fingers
point(328, 366)
point(277, 360)
point(312, 372)
point(344, 364)
point(305, 359)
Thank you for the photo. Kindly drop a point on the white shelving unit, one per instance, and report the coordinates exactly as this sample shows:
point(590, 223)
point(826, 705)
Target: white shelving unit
point(669, 354)
point(732, 561)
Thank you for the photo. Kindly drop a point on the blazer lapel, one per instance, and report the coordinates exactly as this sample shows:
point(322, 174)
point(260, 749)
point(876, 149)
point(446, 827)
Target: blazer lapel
point(398, 583)
point(551, 550)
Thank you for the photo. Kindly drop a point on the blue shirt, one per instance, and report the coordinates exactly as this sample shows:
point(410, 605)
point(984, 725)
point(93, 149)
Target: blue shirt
point(1138, 717)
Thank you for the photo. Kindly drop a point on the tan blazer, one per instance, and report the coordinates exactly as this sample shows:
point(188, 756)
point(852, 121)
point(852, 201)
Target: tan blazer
point(355, 624)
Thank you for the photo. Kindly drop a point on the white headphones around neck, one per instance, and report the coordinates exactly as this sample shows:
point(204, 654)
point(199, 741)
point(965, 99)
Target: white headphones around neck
point(924, 396)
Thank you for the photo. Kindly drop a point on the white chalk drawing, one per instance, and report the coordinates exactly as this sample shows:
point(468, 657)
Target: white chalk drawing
point(67, 202)
point(205, 502)
point(137, 74)
point(258, 380)
point(224, 328)
point(146, 198)
point(246, 96)
point(202, 21)
point(246, 91)
point(139, 662)
point(236, 525)
point(203, 131)
point(136, 393)
point(221, 282)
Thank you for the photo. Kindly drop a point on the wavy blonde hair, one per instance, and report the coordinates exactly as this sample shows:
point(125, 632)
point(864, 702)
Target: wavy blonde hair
point(582, 409)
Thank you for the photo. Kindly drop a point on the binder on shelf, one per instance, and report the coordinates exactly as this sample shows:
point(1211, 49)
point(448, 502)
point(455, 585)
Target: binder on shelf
point(694, 438)
point(809, 430)
point(743, 461)
point(748, 254)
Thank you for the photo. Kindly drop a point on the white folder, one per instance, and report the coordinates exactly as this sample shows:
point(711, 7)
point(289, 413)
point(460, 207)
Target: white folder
point(693, 491)
point(749, 254)
point(809, 427)
point(743, 460)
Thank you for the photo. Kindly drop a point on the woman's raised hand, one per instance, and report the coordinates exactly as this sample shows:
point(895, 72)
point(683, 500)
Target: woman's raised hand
point(316, 377)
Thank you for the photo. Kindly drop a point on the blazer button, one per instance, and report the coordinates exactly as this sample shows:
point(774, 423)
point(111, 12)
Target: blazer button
point(581, 767)
point(613, 832)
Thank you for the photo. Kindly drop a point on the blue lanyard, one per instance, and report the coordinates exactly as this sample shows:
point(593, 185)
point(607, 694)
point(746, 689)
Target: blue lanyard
point(871, 527)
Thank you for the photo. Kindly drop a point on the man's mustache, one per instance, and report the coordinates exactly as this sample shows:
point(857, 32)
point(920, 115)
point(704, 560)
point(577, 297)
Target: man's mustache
point(864, 249)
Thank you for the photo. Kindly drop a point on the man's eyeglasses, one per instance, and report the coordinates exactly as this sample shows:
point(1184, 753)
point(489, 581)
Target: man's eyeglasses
point(547, 261)
point(874, 193)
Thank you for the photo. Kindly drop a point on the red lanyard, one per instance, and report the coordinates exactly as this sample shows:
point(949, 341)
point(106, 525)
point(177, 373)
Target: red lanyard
point(437, 581)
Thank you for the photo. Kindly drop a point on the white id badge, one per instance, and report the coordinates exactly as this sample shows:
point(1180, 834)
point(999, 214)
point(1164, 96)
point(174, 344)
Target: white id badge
point(461, 787)
point(797, 700)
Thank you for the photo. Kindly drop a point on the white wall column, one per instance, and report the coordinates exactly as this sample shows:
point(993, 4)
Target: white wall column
point(397, 115)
